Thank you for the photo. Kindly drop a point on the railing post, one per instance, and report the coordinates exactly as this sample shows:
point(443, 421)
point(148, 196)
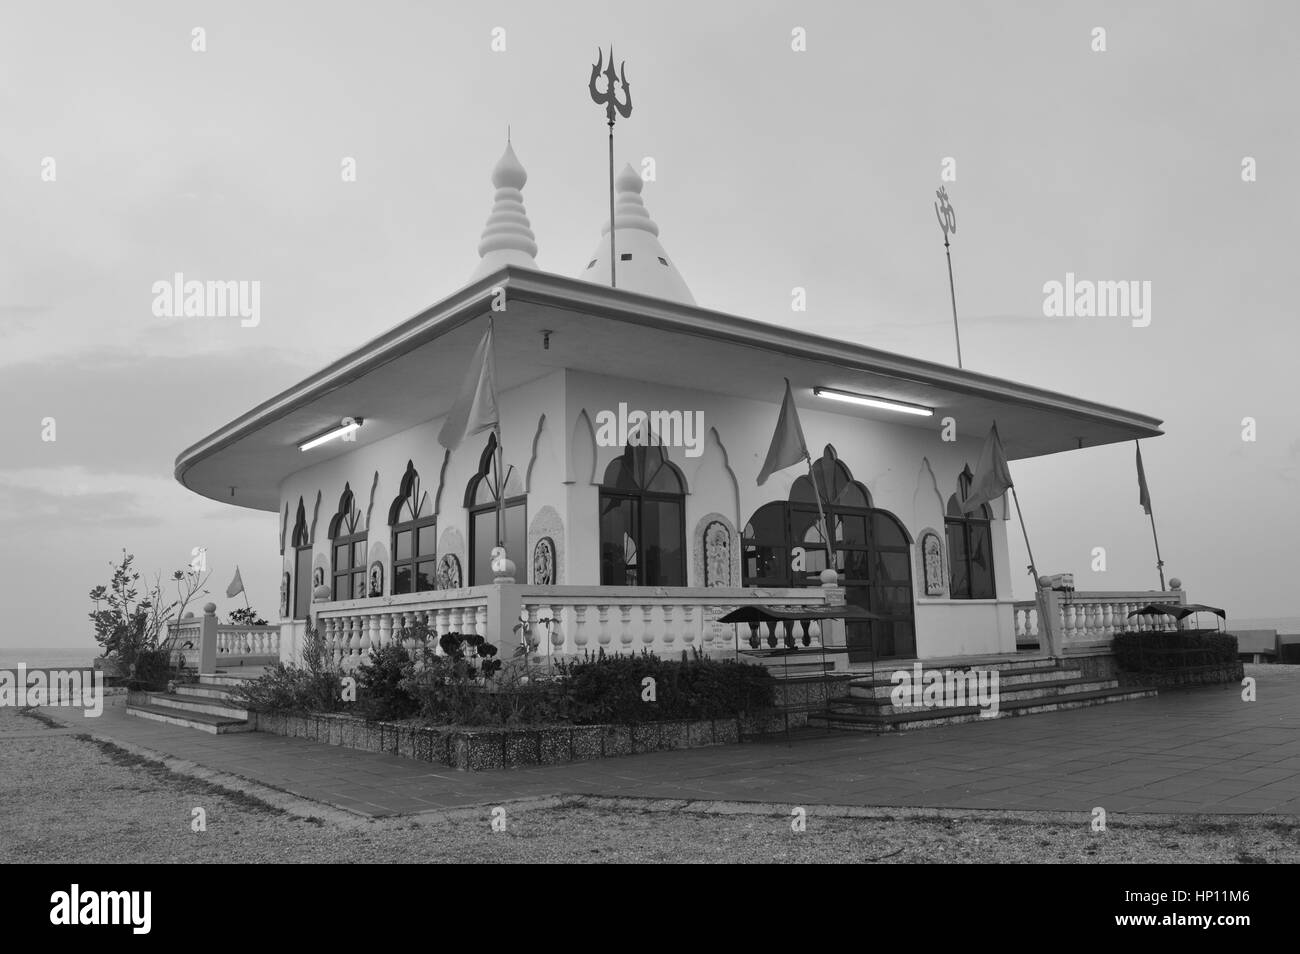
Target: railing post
point(504, 601)
point(208, 639)
point(1050, 620)
point(833, 632)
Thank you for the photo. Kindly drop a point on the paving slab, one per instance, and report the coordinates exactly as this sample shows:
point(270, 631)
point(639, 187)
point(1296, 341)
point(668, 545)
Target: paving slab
point(1198, 751)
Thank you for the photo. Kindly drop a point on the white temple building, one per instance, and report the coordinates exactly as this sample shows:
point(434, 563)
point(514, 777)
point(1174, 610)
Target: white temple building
point(622, 546)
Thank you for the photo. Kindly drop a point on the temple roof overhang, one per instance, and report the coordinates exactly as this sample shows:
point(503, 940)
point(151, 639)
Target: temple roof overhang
point(411, 374)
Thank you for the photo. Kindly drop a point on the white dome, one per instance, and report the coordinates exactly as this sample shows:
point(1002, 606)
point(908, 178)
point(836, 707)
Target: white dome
point(508, 235)
point(643, 264)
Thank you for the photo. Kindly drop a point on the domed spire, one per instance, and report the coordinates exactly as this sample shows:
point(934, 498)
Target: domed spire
point(629, 209)
point(643, 265)
point(508, 236)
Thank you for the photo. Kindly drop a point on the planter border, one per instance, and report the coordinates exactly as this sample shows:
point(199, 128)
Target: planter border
point(496, 748)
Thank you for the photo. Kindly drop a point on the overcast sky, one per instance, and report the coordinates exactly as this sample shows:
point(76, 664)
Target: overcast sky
point(775, 169)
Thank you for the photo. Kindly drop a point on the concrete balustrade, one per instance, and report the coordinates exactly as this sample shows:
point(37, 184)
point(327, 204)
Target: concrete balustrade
point(1088, 620)
point(206, 645)
point(561, 621)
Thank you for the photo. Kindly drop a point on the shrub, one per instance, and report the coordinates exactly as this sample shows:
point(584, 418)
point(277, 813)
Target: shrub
point(1140, 651)
point(315, 686)
point(603, 688)
point(379, 684)
point(449, 687)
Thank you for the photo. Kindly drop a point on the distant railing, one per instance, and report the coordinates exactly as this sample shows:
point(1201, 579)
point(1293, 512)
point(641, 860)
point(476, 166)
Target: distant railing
point(247, 641)
point(1087, 620)
point(204, 644)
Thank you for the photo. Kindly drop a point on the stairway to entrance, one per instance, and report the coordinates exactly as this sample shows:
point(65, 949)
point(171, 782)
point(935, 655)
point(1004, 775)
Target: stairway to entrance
point(205, 705)
point(1026, 685)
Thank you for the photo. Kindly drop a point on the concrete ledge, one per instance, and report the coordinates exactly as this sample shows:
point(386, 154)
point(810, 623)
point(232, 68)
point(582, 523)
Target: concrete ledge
point(471, 750)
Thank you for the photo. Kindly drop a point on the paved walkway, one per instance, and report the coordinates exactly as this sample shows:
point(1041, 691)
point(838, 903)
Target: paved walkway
point(1203, 750)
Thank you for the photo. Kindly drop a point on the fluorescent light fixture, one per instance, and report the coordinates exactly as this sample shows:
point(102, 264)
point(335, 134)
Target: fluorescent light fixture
point(350, 424)
point(883, 403)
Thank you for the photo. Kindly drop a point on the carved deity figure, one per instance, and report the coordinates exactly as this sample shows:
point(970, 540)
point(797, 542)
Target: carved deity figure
point(717, 555)
point(544, 562)
point(933, 557)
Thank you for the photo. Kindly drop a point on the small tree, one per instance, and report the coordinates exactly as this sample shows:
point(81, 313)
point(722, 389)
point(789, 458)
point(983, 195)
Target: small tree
point(136, 632)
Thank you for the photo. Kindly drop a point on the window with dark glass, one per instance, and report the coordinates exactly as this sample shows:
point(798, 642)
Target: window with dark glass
point(415, 536)
point(348, 550)
point(302, 560)
point(642, 520)
point(483, 498)
point(970, 546)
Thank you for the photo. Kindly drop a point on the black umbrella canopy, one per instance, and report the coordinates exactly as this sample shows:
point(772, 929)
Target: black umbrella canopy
point(770, 614)
point(1177, 610)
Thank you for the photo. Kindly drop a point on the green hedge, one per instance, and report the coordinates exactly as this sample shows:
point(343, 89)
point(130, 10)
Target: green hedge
point(1140, 651)
point(603, 689)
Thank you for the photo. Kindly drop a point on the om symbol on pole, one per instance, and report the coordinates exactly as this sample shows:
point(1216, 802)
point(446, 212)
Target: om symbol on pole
point(943, 211)
point(946, 215)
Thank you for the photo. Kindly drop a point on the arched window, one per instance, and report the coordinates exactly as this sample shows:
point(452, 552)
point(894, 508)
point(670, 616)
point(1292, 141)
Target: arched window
point(482, 495)
point(970, 546)
point(348, 546)
point(642, 520)
point(783, 545)
point(301, 564)
point(415, 536)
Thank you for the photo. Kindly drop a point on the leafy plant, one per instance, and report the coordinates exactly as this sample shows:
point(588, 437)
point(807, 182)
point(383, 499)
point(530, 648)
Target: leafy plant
point(134, 629)
point(247, 616)
point(379, 683)
point(314, 686)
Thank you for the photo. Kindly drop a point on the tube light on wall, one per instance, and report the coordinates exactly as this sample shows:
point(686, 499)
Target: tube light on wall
point(865, 399)
point(349, 425)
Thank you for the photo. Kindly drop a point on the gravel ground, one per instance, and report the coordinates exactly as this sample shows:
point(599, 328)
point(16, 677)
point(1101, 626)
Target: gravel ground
point(67, 798)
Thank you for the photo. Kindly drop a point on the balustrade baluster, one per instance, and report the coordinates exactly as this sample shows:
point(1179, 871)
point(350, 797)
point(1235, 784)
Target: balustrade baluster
point(688, 624)
point(532, 629)
point(625, 632)
point(647, 631)
point(602, 634)
point(580, 626)
point(557, 632)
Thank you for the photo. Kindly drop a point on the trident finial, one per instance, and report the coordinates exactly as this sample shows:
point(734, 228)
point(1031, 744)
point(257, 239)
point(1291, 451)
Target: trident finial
point(609, 98)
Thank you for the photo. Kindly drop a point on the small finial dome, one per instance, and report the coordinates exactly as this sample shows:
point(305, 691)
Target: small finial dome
point(508, 235)
point(509, 172)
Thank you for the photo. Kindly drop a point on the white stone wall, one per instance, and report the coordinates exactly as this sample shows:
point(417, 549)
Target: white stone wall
point(549, 437)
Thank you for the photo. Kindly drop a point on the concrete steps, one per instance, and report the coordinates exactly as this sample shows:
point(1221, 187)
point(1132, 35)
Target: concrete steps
point(216, 725)
point(1025, 686)
point(931, 718)
point(205, 705)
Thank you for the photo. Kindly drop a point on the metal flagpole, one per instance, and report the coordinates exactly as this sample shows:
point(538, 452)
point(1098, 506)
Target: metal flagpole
point(1160, 564)
point(948, 222)
point(609, 99)
point(613, 257)
point(826, 530)
point(501, 489)
point(1028, 548)
point(1048, 626)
